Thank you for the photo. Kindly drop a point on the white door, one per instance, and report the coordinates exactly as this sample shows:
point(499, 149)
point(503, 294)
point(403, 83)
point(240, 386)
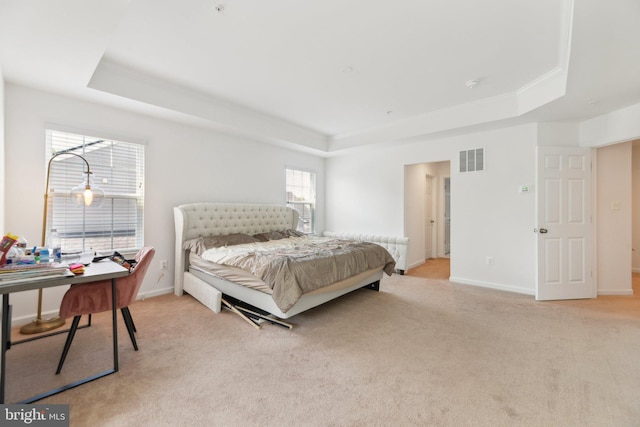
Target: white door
point(428, 218)
point(564, 230)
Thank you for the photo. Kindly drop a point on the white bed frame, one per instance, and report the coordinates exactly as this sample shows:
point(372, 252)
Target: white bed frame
point(219, 219)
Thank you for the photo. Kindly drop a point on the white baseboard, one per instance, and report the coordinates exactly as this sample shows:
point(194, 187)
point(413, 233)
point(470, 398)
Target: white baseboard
point(415, 264)
point(23, 320)
point(490, 285)
point(154, 293)
point(616, 292)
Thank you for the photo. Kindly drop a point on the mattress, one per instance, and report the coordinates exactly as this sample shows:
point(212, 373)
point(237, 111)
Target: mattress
point(232, 274)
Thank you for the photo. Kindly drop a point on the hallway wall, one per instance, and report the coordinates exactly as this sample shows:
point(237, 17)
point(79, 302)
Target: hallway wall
point(613, 215)
point(635, 209)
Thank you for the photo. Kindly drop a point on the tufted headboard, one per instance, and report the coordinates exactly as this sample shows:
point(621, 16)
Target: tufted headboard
point(219, 219)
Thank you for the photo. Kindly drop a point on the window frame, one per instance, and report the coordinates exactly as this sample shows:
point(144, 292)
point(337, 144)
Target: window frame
point(302, 205)
point(96, 230)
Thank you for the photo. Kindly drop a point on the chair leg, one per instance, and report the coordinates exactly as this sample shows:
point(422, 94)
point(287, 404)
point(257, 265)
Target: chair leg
point(67, 344)
point(128, 321)
point(133, 325)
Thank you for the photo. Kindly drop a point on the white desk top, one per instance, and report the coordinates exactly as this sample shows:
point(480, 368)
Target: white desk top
point(105, 269)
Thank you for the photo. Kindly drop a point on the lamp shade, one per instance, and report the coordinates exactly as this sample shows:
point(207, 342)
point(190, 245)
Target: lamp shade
point(87, 193)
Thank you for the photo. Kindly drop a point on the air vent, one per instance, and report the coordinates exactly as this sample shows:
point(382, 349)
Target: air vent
point(472, 160)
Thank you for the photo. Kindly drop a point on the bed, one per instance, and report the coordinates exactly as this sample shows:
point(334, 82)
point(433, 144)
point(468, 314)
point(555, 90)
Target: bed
point(198, 223)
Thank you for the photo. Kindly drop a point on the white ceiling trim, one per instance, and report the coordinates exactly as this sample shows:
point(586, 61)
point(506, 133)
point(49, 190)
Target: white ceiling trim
point(553, 84)
point(543, 90)
point(483, 111)
point(117, 79)
point(618, 126)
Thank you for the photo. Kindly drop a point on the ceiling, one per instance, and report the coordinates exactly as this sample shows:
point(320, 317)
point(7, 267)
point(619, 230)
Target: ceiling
point(334, 75)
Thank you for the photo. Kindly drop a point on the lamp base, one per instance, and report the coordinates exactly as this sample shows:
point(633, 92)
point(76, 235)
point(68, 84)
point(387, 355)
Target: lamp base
point(39, 325)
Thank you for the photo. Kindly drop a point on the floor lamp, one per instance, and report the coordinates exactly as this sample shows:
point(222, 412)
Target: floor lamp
point(83, 194)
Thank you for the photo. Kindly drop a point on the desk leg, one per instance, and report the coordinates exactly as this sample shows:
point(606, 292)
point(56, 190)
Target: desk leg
point(6, 342)
point(115, 324)
point(88, 379)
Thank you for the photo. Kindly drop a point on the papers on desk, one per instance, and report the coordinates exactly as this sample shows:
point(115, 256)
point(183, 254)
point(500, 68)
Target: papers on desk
point(16, 272)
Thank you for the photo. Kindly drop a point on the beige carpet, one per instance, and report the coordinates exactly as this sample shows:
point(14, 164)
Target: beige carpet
point(420, 352)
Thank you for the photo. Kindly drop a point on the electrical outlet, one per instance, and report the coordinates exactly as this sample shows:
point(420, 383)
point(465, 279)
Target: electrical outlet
point(489, 260)
point(163, 264)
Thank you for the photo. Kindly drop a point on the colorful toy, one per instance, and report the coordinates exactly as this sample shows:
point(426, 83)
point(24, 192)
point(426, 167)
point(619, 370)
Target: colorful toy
point(76, 268)
point(5, 245)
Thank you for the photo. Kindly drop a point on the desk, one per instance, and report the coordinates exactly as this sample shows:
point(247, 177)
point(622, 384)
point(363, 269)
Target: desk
point(103, 270)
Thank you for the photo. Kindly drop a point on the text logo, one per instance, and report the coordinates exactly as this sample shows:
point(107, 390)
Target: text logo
point(34, 415)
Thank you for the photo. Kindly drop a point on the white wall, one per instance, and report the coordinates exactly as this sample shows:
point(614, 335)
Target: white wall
point(2, 167)
point(414, 210)
point(366, 194)
point(618, 126)
point(614, 204)
point(635, 210)
point(183, 164)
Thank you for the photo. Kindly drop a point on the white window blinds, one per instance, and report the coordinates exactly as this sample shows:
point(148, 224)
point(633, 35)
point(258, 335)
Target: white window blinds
point(118, 169)
point(301, 196)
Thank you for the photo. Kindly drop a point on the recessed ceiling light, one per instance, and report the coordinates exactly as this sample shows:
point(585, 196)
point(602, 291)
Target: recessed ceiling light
point(472, 83)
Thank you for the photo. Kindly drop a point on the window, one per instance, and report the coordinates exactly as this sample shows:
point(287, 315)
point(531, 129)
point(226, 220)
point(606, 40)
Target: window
point(301, 196)
point(118, 169)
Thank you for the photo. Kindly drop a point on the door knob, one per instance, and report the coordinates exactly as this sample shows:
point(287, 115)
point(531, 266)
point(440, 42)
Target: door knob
point(543, 230)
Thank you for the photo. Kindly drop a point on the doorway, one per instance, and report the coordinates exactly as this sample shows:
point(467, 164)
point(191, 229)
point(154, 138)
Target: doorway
point(615, 248)
point(437, 262)
point(425, 206)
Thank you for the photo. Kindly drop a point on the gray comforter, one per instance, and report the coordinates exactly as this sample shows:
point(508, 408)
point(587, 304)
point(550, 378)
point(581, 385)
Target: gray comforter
point(294, 266)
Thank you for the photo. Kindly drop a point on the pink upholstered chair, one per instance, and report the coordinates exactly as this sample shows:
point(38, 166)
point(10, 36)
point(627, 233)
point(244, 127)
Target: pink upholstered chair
point(95, 297)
